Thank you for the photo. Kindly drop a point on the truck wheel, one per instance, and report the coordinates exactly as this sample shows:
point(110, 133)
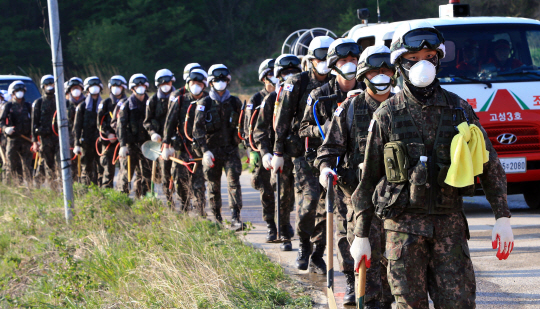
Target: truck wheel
point(532, 197)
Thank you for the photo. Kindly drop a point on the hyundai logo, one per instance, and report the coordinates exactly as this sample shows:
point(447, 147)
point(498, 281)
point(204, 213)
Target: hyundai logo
point(506, 138)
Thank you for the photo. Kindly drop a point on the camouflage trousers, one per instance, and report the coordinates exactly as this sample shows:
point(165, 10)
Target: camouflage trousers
point(438, 264)
point(233, 168)
point(377, 287)
point(190, 187)
point(165, 173)
point(19, 158)
point(107, 164)
point(311, 219)
point(265, 181)
point(89, 164)
point(139, 164)
point(49, 151)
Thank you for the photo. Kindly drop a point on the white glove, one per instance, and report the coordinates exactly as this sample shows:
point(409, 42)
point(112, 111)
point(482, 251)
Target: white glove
point(208, 159)
point(323, 178)
point(156, 138)
point(111, 137)
point(124, 152)
point(167, 153)
point(9, 130)
point(503, 238)
point(77, 150)
point(360, 249)
point(277, 163)
point(267, 161)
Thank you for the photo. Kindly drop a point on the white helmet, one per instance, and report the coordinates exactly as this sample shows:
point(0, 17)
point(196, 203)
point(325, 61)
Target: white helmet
point(318, 48)
point(164, 76)
point(74, 81)
point(92, 81)
point(218, 70)
point(199, 75)
point(5, 94)
point(138, 79)
point(265, 67)
point(286, 61)
point(118, 80)
point(190, 67)
point(381, 57)
point(415, 35)
point(47, 80)
point(16, 85)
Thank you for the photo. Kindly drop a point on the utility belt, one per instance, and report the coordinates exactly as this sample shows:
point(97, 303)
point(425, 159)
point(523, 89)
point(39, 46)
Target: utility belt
point(414, 183)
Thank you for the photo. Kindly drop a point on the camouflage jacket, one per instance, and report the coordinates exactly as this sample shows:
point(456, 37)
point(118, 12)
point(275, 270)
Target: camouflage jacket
point(263, 132)
point(290, 112)
point(72, 106)
point(428, 118)
point(107, 113)
point(130, 121)
point(85, 130)
point(179, 104)
point(216, 122)
point(43, 111)
point(16, 115)
point(156, 112)
point(254, 102)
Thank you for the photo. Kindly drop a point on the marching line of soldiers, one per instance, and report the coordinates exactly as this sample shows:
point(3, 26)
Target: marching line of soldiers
point(388, 154)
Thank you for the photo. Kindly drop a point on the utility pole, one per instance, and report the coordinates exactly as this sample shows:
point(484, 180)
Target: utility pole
point(58, 67)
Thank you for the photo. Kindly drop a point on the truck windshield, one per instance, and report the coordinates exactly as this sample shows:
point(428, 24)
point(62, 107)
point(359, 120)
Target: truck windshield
point(490, 53)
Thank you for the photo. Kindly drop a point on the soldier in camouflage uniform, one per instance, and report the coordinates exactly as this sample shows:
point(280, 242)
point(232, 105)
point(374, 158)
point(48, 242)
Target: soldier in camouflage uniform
point(154, 122)
point(44, 128)
point(426, 229)
point(85, 131)
point(290, 112)
point(177, 138)
point(215, 133)
point(74, 96)
point(15, 121)
point(131, 136)
point(346, 138)
point(108, 141)
point(264, 138)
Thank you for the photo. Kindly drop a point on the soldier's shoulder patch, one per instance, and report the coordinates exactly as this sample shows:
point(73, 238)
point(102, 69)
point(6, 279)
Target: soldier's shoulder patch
point(200, 108)
point(288, 87)
point(309, 100)
point(122, 106)
point(371, 125)
point(100, 106)
point(338, 111)
point(174, 99)
point(249, 106)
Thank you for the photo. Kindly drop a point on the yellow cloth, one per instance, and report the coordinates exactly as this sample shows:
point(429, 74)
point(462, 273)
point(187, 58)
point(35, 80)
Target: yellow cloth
point(468, 154)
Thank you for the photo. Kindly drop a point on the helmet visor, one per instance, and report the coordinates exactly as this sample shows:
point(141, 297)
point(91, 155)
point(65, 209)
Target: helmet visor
point(271, 64)
point(343, 50)
point(378, 60)
point(74, 82)
point(164, 79)
point(289, 61)
point(196, 77)
point(48, 81)
point(220, 73)
point(19, 87)
point(94, 82)
point(320, 53)
point(140, 81)
point(116, 82)
point(417, 39)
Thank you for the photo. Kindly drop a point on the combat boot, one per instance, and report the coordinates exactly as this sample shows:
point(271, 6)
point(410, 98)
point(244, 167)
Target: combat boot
point(286, 244)
point(236, 223)
point(317, 265)
point(272, 231)
point(349, 298)
point(304, 251)
point(217, 215)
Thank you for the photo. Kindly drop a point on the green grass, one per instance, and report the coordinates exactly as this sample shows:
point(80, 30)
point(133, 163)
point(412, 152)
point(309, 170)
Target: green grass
point(118, 253)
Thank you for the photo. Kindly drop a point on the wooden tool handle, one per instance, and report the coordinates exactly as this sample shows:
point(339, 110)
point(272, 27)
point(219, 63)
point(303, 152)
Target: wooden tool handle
point(129, 168)
point(26, 138)
point(154, 165)
point(79, 165)
point(361, 285)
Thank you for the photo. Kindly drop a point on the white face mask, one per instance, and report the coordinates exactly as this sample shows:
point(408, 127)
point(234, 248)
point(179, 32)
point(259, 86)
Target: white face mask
point(220, 86)
point(348, 70)
point(49, 88)
point(322, 68)
point(76, 93)
point(273, 79)
point(116, 90)
point(422, 74)
point(94, 89)
point(166, 88)
point(381, 83)
point(19, 94)
point(140, 90)
point(195, 89)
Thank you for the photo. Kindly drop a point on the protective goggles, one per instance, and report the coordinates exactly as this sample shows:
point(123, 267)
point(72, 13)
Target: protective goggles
point(417, 39)
point(379, 60)
point(198, 77)
point(289, 61)
point(319, 53)
point(74, 82)
point(164, 79)
point(271, 64)
point(220, 73)
point(48, 81)
point(140, 81)
point(343, 50)
point(19, 87)
point(94, 82)
point(116, 82)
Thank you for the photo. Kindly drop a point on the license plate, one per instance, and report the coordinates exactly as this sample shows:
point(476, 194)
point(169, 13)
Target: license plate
point(514, 165)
